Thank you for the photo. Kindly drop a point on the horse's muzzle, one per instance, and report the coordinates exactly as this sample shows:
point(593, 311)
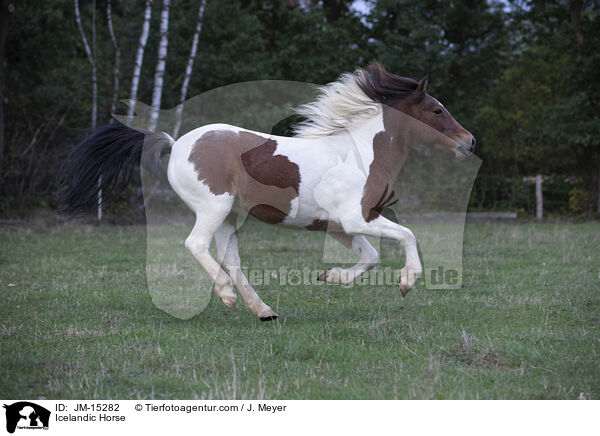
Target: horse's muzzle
point(465, 148)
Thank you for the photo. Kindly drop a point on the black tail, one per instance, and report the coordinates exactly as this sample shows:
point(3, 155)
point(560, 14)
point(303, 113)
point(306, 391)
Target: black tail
point(106, 160)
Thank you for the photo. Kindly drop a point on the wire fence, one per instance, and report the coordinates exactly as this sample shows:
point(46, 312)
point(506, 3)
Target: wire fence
point(559, 194)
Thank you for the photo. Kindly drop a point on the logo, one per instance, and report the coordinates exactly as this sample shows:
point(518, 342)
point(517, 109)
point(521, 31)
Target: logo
point(26, 415)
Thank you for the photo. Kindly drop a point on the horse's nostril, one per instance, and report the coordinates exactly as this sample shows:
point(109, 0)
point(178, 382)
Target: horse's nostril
point(473, 141)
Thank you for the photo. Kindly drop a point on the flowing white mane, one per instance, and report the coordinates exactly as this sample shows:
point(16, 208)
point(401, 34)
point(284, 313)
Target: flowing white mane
point(339, 104)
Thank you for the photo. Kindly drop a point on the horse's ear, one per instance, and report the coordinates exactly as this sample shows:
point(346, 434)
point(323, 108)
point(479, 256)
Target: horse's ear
point(423, 84)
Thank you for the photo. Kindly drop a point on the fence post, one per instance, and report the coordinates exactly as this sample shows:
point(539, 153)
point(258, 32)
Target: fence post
point(539, 200)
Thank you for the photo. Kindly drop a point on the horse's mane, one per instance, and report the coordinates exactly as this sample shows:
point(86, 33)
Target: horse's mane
point(357, 95)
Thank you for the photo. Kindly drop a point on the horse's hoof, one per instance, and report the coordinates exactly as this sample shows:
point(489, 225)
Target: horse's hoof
point(268, 315)
point(335, 275)
point(408, 279)
point(229, 302)
point(405, 289)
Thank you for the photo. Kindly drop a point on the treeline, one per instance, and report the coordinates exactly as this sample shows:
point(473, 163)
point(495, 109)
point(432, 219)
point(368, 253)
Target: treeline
point(523, 76)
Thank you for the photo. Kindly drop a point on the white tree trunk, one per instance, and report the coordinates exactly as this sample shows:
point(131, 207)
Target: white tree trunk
point(99, 198)
point(159, 73)
point(188, 70)
point(116, 71)
point(137, 68)
point(539, 199)
point(91, 55)
point(92, 61)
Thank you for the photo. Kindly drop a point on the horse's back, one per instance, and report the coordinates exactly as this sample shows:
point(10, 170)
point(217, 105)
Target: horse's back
point(222, 161)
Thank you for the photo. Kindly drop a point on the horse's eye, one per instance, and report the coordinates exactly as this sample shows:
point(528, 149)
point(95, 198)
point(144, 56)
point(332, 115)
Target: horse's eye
point(437, 111)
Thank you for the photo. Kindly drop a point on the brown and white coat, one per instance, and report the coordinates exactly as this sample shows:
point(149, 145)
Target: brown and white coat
point(336, 174)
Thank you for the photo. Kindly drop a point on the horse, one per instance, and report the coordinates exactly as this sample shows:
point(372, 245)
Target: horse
point(334, 174)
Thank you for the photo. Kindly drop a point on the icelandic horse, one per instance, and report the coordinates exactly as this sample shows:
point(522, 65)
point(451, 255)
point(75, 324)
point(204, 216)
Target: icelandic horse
point(336, 173)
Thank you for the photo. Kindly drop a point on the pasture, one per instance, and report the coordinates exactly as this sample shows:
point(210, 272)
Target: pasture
point(77, 321)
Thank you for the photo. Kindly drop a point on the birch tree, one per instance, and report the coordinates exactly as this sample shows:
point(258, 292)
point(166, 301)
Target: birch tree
point(91, 59)
point(137, 68)
point(159, 73)
point(91, 55)
point(116, 71)
point(188, 70)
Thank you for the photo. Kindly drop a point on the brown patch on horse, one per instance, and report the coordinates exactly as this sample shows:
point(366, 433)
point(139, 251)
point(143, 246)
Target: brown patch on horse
point(325, 225)
point(427, 119)
point(272, 184)
point(268, 214)
point(334, 230)
point(270, 169)
point(318, 225)
point(245, 165)
point(408, 121)
point(432, 129)
point(388, 157)
point(212, 155)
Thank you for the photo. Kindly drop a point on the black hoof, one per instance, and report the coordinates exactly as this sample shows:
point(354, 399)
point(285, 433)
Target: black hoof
point(405, 290)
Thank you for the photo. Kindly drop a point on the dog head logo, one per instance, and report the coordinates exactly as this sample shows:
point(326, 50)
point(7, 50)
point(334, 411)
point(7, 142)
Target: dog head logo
point(26, 415)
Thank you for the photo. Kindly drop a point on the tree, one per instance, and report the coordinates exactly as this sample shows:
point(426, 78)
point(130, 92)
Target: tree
point(575, 11)
point(137, 69)
point(159, 73)
point(569, 119)
point(188, 69)
point(91, 55)
point(522, 75)
point(116, 71)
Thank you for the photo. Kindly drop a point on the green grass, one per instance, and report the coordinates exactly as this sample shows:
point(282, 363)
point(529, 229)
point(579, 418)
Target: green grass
point(77, 321)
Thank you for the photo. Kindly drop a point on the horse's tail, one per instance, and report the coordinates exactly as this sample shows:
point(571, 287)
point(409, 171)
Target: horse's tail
point(106, 160)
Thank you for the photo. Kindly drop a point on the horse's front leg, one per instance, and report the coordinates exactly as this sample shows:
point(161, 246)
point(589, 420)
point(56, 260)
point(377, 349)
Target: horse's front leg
point(384, 228)
point(368, 257)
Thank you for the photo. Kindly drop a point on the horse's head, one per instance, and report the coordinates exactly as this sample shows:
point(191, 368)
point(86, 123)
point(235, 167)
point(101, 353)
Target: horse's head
point(429, 124)
point(411, 114)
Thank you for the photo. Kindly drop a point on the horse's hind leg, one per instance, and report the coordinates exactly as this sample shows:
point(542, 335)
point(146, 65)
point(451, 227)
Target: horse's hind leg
point(198, 243)
point(367, 259)
point(227, 249)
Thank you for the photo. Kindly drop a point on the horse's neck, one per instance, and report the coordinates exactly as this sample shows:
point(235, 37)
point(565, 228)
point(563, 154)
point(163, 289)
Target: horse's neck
point(378, 148)
point(362, 134)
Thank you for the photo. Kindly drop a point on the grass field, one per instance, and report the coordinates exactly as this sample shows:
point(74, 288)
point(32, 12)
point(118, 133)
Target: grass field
point(77, 321)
